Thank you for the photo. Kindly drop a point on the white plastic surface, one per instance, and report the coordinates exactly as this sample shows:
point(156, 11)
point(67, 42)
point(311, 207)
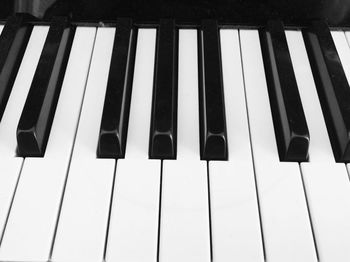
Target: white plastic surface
point(284, 215)
point(187, 112)
point(141, 98)
point(236, 233)
point(326, 182)
point(347, 35)
point(184, 228)
point(32, 221)
point(342, 42)
point(133, 230)
point(184, 234)
point(10, 164)
point(82, 225)
point(342, 46)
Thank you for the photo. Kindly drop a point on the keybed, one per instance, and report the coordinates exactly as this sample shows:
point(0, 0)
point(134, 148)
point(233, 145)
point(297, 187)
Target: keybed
point(167, 144)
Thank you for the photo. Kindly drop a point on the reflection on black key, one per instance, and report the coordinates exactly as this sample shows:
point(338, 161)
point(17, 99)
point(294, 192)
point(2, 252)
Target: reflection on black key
point(291, 130)
point(164, 108)
point(332, 87)
point(114, 123)
point(213, 137)
point(35, 123)
point(13, 42)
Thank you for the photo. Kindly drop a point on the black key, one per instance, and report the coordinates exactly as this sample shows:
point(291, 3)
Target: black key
point(35, 123)
point(213, 136)
point(292, 134)
point(332, 87)
point(13, 42)
point(114, 123)
point(164, 107)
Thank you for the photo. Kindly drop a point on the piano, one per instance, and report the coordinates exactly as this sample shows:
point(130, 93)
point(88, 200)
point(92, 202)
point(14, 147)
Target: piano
point(161, 131)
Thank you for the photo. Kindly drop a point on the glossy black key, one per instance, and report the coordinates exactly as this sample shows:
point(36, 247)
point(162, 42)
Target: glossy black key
point(35, 123)
point(114, 123)
point(332, 87)
point(292, 134)
point(13, 42)
point(164, 107)
point(213, 136)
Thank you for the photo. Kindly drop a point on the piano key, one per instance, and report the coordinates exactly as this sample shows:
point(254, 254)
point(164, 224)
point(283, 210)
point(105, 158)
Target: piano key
point(184, 226)
point(291, 130)
point(82, 225)
point(133, 228)
point(346, 66)
point(13, 42)
point(29, 235)
point(213, 135)
point(236, 233)
point(341, 41)
point(164, 107)
point(280, 189)
point(114, 123)
point(332, 87)
point(10, 164)
point(326, 182)
point(342, 47)
point(35, 123)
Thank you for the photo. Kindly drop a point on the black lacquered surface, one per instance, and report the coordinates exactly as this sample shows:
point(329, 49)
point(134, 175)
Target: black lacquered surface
point(238, 12)
point(35, 123)
point(332, 87)
point(187, 12)
point(213, 136)
point(13, 42)
point(291, 130)
point(163, 131)
point(7, 9)
point(115, 117)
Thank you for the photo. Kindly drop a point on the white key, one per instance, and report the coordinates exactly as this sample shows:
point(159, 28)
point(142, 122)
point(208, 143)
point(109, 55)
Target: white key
point(326, 182)
point(184, 228)
point(343, 50)
point(1, 27)
point(133, 231)
point(10, 164)
point(341, 41)
point(32, 221)
point(82, 225)
point(285, 221)
point(346, 68)
point(347, 35)
point(234, 209)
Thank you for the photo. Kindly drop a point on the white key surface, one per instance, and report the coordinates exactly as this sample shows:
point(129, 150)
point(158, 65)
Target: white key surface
point(1, 27)
point(342, 46)
point(236, 233)
point(10, 164)
point(326, 182)
point(82, 225)
point(32, 221)
point(141, 100)
point(284, 215)
point(347, 35)
point(341, 41)
point(184, 227)
point(133, 230)
point(187, 112)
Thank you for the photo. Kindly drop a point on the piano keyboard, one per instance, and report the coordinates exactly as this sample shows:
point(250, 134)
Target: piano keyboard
point(125, 144)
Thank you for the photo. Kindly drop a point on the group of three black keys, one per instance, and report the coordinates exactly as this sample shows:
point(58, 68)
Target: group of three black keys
point(290, 125)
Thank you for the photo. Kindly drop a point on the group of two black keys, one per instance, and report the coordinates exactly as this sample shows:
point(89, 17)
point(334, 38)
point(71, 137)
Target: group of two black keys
point(290, 125)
